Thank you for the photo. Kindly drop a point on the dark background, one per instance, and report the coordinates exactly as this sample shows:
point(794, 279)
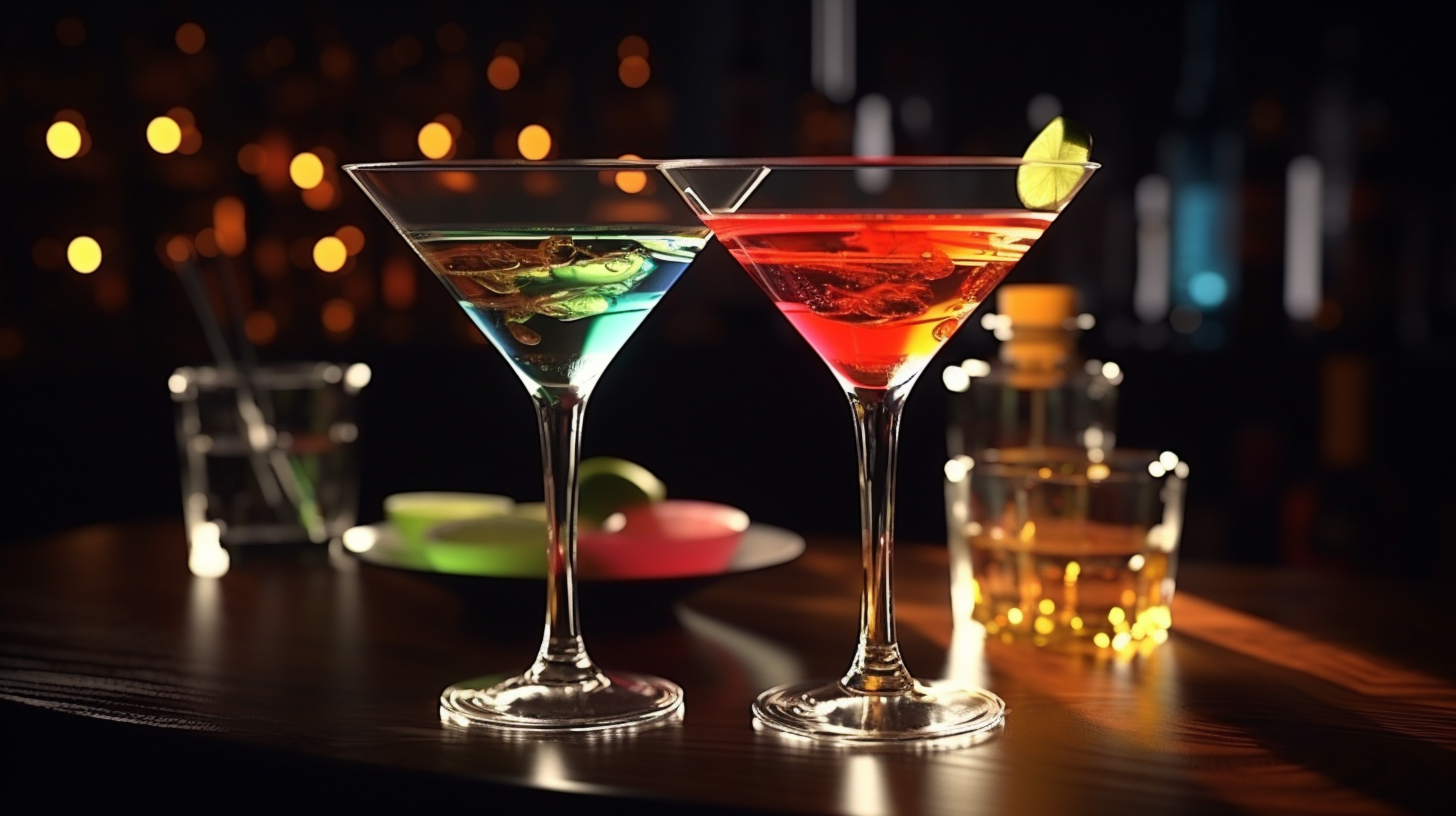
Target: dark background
point(715, 394)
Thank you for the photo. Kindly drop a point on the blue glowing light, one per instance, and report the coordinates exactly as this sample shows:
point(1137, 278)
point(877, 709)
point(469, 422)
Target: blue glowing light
point(1208, 289)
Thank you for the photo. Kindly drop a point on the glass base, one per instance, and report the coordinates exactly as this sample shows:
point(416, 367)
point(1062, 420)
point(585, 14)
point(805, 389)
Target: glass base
point(614, 700)
point(834, 712)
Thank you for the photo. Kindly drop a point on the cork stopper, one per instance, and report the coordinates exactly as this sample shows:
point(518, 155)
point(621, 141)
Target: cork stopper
point(1037, 305)
point(1041, 346)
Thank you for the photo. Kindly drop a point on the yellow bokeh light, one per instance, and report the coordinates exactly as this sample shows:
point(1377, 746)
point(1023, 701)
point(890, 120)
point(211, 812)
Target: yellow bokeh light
point(164, 134)
point(1046, 606)
point(1076, 622)
point(534, 142)
point(306, 170)
point(435, 141)
point(84, 254)
point(1120, 642)
point(1014, 616)
point(1073, 570)
point(503, 73)
point(631, 181)
point(1098, 472)
point(1102, 640)
point(1116, 615)
point(63, 139)
point(1044, 625)
point(329, 254)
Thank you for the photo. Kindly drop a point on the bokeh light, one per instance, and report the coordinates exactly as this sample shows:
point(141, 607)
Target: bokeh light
point(260, 327)
point(206, 242)
point(178, 249)
point(450, 37)
point(164, 134)
point(634, 71)
point(336, 62)
point(190, 38)
point(84, 254)
point(322, 197)
point(353, 238)
point(229, 224)
point(330, 254)
point(71, 32)
point(252, 158)
point(306, 170)
point(534, 142)
point(632, 46)
point(435, 141)
point(338, 315)
point(503, 73)
point(63, 139)
point(48, 254)
point(631, 181)
point(398, 283)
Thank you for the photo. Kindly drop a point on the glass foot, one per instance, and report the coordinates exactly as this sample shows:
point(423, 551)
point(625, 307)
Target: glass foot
point(833, 712)
point(613, 700)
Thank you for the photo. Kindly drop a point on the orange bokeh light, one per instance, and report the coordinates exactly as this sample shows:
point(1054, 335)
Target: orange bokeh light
point(229, 225)
point(534, 142)
point(399, 283)
point(634, 71)
point(190, 38)
point(252, 158)
point(338, 315)
point(503, 73)
point(179, 249)
point(261, 328)
point(632, 46)
point(353, 238)
point(630, 181)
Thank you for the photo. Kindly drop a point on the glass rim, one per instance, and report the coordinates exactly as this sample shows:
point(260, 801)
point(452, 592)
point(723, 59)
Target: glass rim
point(1124, 464)
point(466, 165)
point(854, 162)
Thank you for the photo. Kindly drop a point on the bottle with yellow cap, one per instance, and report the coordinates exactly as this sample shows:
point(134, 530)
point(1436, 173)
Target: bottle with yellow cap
point(1040, 393)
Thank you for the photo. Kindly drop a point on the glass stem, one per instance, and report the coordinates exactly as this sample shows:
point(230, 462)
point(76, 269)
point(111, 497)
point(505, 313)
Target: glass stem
point(562, 658)
point(877, 667)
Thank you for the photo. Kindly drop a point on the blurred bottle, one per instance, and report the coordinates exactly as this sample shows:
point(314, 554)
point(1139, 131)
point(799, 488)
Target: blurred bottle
point(1331, 520)
point(1040, 393)
point(1201, 156)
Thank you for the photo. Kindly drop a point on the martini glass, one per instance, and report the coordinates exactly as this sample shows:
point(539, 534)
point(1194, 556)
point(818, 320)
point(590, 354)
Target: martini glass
point(557, 263)
point(876, 263)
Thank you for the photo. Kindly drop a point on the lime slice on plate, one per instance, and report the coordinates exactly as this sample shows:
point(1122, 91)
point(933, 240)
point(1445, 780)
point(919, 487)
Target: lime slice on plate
point(412, 514)
point(1049, 186)
point(501, 546)
point(609, 484)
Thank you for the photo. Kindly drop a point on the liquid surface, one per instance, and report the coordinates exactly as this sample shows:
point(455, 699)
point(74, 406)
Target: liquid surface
point(877, 295)
point(559, 305)
point(1076, 582)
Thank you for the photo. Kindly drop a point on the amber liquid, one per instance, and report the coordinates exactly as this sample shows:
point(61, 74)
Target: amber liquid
point(1084, 582)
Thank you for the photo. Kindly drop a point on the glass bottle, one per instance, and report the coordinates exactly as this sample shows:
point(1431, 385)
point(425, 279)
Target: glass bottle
point(1040, 394)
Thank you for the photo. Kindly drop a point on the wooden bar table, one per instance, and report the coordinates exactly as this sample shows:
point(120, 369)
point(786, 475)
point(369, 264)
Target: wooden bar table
point(282, 683)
